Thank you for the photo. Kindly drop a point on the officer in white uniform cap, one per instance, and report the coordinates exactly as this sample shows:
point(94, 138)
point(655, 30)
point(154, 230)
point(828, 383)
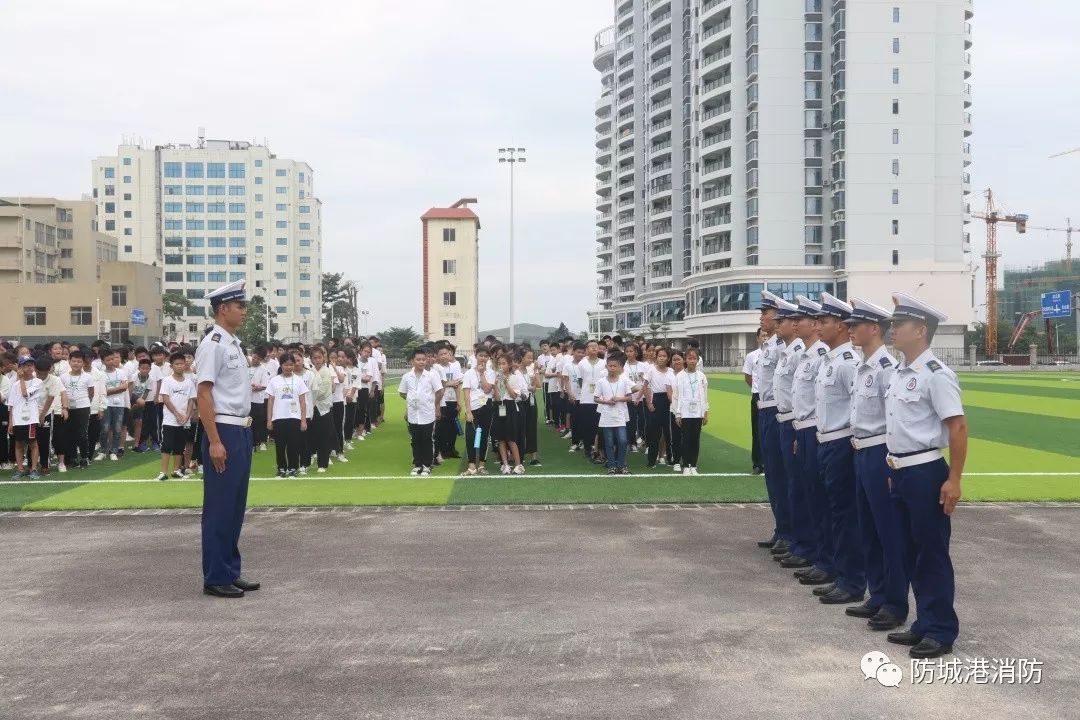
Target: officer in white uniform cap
point(767, 428)
point(879, 523)
point(224, 410)
point(923, 416)
point(801, 543)
point(835, 377)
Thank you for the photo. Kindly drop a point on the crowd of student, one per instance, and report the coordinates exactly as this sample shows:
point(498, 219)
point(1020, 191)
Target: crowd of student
point(607, 397)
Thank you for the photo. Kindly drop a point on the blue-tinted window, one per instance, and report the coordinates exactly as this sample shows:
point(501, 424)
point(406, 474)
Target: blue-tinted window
point(174, 242)
point(110, 207)
point(215, 242)
point(173, 170)
point(127, 178)
point(215, 207)
point(305, 276)
point(194, 260)
point(174, 277)
point(172, 224)
point(174, 207)
point(281, 207)
point(110, 172)
point(305, 259)
point(281, 224)
point(280, 308)
point(281, 172)
point(237, 242)
point(234, 276)
point(110, 224)
point(194, 224)
point(237, 207)
point(193, 169)
point(127, 231)
point(258, 181)
point(281, 190)
point(305, 311)
point(127, 161)
point(305, 242)
point(193, 190)
point(258, 249)
point(216, 276)
point(238, 259)
point(215, 170)
point(258, 214)
point(305, 226)
point(215, 224)
point(258, 163)
point(193, 207)
point(236, 170)
point(304, 209)
point(281, 241)
point(280, 276)
point(258, 232)
point(174, 189)
point(196, 242)
point(281, 258)
point(196, 277)
point(215, 260)
point(302, 195)
point(281, 292)
point(236, 189)
point(305, 293)
point(237, 224)
point(301, 177)
point(174, 259)
point(215, 189)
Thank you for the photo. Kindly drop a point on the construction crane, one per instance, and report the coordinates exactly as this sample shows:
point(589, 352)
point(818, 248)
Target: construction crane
point(992, 218)
point(1068, 230)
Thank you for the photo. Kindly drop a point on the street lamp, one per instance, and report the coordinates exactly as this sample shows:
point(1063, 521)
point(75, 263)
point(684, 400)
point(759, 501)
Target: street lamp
point(513, 156)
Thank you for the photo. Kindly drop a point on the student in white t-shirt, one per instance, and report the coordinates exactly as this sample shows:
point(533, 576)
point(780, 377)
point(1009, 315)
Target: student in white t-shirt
point(117, 391)
point(569, 377)
point(259, 371)
point(591, 371)
point(635, 373)
point(177, 395)
point(691, 410)
point(52, 414)
point(446, 429)
point(368, 370)
point(307, 443)
point(151, 420)
point(24, 401)
point(477, 388)
point(613, 395)
point(75, 446)
point(658, 381)
point(286, 406)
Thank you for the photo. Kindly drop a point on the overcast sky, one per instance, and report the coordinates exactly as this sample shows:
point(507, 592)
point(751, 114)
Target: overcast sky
point(399, 106)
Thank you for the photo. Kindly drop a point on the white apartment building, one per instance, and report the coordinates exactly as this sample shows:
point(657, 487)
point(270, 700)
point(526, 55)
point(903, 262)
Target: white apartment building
point(789, 145)
point(215, 212)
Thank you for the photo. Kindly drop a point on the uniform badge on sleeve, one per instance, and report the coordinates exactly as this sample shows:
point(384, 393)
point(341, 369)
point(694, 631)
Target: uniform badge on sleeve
point(911, 384)
point(848, 355)
point(216, 337)
point(933, 365)
point(885, 362)
point(821, 351)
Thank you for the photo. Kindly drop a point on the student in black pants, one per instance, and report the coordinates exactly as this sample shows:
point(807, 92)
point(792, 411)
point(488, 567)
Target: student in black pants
point(286, 405)
point(658, 408)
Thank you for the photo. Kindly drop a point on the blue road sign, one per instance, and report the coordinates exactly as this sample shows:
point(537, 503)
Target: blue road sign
point(1057, 304)
point(138, 317)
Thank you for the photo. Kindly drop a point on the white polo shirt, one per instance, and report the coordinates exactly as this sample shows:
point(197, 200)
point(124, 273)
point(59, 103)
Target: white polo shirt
point(420, 392)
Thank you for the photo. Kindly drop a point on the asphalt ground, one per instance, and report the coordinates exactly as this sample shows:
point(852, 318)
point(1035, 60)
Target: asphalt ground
point(611, 612)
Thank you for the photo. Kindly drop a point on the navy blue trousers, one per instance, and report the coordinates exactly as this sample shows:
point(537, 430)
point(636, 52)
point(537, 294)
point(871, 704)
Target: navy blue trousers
point(927, 530)
point(775, 480)
point(879, 529)
point(836, 458)
point(224, 503)
point(806, 458)
point(802, 521)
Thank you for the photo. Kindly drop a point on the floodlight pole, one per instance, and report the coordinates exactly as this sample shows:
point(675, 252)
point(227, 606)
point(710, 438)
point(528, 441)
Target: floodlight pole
point(512, 155)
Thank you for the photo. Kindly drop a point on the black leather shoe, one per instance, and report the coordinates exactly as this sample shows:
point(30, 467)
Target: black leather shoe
point(884, 620)
point(803, 572)
point(223, 591)
point(861, 611)
point(905, 637)
point(758, 469)
point(246, 585)
point(794, 561)
point(816, 578)
point(824, 589)
point(767, 543)
point(840, 597)
point(780, 548)
point(782, 557)
point(929, 648)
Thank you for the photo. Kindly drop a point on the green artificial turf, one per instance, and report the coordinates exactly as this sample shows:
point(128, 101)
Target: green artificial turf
point(1019, 423)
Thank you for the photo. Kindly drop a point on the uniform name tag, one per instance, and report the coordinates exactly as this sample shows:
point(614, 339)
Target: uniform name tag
point(502, 410)
point(694, 407)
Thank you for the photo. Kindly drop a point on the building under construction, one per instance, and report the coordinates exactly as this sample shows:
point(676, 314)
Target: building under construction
point(1023, 293)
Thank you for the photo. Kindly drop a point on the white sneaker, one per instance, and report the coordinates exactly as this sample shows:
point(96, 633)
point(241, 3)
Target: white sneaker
point(322, 470)
point(676, 467)
point(661, 461)
point(505, 470)
point(303, 471)
point(415, 471)
point(687, 472)
point(693, 471)
point(519, 470)
point(348, 445)
point(99, 456)
point(573, 448)
point(342, 459)
point(162, 477)
point(62, 467)
point(112, 456)
point(566, 435)
point(362, 437)
point(262, 447)
point(425, 472)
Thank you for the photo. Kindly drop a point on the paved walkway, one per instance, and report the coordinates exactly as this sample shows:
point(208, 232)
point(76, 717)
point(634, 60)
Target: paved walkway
point(628, 612)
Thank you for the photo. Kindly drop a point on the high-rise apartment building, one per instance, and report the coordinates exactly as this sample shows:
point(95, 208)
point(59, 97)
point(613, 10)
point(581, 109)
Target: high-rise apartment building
point(215, 212)
point(450, 274)
point(789, 145)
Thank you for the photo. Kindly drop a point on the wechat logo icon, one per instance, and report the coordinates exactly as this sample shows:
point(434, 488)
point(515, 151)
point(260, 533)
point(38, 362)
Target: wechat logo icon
point(877, 666)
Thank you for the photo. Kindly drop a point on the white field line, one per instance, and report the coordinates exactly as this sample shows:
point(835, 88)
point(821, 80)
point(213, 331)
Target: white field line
point(137, 481)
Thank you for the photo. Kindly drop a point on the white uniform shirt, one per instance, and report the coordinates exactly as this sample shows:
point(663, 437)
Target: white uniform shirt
point(25, 410)
point(115, 379)
point(286, 392)
point(448, 373)
point(220, 360)
point(309, 397)
point(552, 373)
point(749, 367)
point(803, 387)
point(380, 360)
point(53, 388)
point(832, 392)
point(420, 392)
point(97, 404)
point(340, 379)
point(589, 374)
point(868, 394)
point(157, 374)
point(692, 393)
point(471, 382)
point(260, 375)
point(618, 414)
point(570, 372)
point(367, 367)
point(659, 380)
point(920, 397)
point(179, 393)
point(784, 376)
point(767, 362)
point(78, 389)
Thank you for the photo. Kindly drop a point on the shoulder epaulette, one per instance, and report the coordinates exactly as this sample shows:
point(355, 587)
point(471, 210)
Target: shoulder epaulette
point(848, 355)
point(822, 351)
point(933, 365)
point(216, 337)
point(885, 362)
point(779, 341)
